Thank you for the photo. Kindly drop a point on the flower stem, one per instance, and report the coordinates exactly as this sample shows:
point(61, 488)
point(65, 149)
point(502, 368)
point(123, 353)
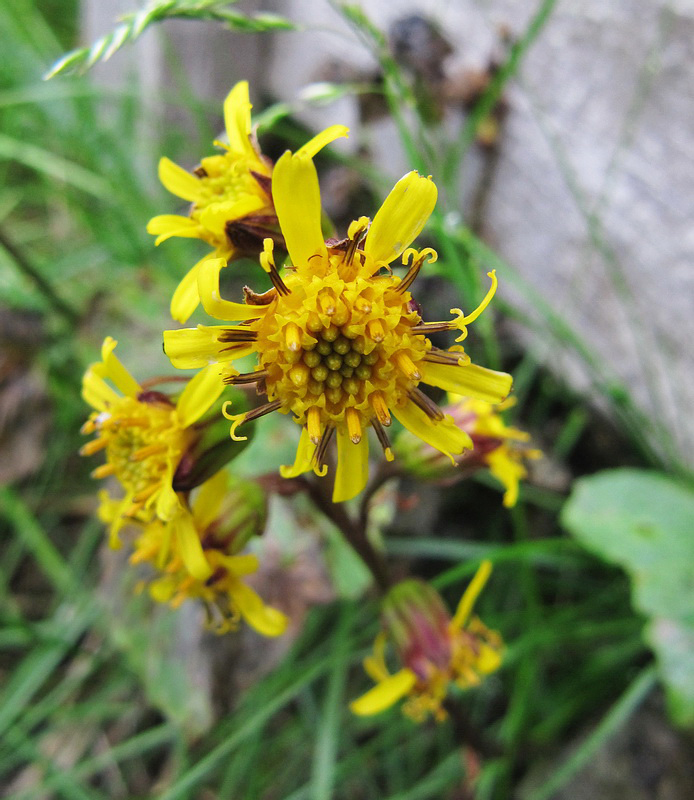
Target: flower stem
point(354, 532)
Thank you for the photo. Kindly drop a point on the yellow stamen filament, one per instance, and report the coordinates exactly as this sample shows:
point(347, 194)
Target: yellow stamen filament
point(133, 509)
point(407, 366)
point(463, 320)
point(149, 450)
point(380, 406)
point(313, 424)
point(292, 336)
point(363, 306)
point(353, 425)
point(327, 303)
point(417, 261)
point(357, 227)
point(93, 447)
point(341, 316)
point(103, 471)
point(267, 258)
point(375, 330)
point(140, 497)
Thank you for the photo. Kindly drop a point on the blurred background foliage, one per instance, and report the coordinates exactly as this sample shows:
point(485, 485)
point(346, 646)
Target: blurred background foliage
point(104, 696)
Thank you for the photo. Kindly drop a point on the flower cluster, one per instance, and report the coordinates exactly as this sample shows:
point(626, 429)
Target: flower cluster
point(339, 344)
point(146, 436)
point(230, 195)
point(496, 446)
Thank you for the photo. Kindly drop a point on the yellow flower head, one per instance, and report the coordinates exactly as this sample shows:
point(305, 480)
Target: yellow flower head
point(196, 554)
point(339, 342)
point(496, 446)
point(434, 650)
point(143, 433)
point(230, 193)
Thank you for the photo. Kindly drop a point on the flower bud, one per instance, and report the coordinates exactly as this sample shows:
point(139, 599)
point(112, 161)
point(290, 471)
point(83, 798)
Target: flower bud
point(433, 648)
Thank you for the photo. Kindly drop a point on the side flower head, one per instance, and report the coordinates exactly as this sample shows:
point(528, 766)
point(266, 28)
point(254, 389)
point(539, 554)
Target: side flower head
point(196, 555)
point(434, 649)
point(339, 341)
point(230, 195)
point(496, 446)
point(144, 435)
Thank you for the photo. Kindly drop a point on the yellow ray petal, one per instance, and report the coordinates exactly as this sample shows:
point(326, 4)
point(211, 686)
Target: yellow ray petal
point(246, 564)
point(200, 393)
point(296, 194)
point(97, 392)
point(384, 694)
point(208, 500)
point(467, 601)
point(208, 287)
point(470, 380)
point(118, 522)
point(162, 590)
point(186, 297)
point(508, 471)
point(303, 462)
point(401, 217)
point(352, 466)
point(319, 141)
point(266, 620)
point(193, 348)
point(189, 546)
point(375, 665)
point(165, 226)
point(168, 504)
point(489, 660)
point(443, 435)
point(112, 368)
point(237, 120)
point(179, 181)
point(215, 217)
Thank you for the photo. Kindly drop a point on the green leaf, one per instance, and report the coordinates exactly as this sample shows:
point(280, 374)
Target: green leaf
point(348, 573)
point(642, 521)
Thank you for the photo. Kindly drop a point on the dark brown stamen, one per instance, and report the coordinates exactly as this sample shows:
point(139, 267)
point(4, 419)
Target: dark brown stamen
point(277, 281)
point(427, 405)
point(237, 335)
point(319, 454)
point(254, 299)
point(436, 356)
point(217, 575)
point(381, 434)
point(261, 411)
point(201, 172)
point(433, 327)
point(247, 236)
point(246, 377)
point(412, 273)
point(352, 246)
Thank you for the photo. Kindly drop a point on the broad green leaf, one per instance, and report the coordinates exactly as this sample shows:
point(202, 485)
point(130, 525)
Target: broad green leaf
point(644, 522)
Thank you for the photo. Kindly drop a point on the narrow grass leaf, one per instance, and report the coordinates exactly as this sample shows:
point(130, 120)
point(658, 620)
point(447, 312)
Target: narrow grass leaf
point(615, 718)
